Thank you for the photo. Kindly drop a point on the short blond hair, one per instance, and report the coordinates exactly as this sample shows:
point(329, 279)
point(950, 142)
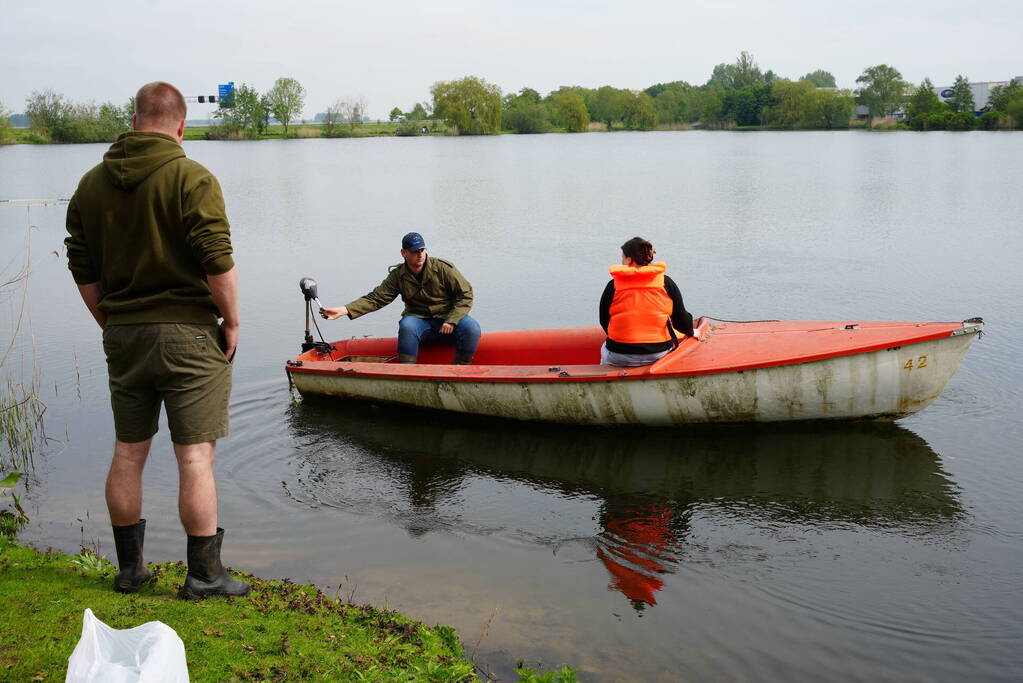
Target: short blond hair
point(159, 103)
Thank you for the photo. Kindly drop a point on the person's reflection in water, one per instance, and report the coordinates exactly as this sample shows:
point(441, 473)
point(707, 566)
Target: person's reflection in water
point(418, 468)
point(635, 547)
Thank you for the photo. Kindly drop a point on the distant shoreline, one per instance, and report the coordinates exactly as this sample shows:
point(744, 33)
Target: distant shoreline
point(313, 131)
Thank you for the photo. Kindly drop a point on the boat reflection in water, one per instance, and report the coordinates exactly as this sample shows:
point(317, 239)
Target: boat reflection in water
point(441, 472)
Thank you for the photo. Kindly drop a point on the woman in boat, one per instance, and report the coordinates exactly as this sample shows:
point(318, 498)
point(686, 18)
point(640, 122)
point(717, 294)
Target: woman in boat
point(641, 309)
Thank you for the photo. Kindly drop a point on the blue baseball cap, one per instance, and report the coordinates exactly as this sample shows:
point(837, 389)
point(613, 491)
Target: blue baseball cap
point(413, 242)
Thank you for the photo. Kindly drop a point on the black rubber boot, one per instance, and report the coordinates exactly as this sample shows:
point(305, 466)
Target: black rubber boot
point(462, 359)
point(133, 572)
point(206, 575)
point(406, 358)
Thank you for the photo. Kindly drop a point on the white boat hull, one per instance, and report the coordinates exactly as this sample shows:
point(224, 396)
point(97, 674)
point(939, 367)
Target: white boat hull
point(885, 384)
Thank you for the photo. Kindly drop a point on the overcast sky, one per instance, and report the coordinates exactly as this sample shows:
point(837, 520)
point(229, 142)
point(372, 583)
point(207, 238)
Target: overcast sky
point(391, 52)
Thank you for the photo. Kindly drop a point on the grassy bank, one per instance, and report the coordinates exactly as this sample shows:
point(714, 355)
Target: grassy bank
point(305, 130)
point(281, 631)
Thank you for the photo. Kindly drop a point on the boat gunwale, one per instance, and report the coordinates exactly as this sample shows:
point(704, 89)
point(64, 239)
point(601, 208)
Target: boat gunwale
point(584, 373)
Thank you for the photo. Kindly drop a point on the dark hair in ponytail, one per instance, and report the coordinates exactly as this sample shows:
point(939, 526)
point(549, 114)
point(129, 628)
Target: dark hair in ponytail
point(639, 250)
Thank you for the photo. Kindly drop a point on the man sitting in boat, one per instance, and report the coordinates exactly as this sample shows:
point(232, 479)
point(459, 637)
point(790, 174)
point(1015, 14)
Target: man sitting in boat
point(641, 309)
point(437, 300)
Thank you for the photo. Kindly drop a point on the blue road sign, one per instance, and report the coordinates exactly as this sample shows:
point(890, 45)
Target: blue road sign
point(224, 89)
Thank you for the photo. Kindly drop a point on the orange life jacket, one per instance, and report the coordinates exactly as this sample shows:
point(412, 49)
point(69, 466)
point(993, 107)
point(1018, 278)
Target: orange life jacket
point(641, 308)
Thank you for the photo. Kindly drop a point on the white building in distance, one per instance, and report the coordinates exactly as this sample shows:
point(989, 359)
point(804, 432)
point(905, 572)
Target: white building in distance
point(981, 92)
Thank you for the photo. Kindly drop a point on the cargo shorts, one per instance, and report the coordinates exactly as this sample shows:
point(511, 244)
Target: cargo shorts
point(178, 365)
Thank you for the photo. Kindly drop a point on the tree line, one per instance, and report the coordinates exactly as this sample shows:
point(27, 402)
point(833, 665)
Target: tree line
point(737, 94)
point(55, 118)
point(885, 93)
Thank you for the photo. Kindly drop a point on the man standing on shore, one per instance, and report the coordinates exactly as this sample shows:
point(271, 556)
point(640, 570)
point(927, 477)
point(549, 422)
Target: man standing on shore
point(149, 247)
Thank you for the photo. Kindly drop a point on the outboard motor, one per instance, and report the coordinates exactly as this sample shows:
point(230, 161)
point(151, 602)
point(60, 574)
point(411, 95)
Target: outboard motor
point(308, 287)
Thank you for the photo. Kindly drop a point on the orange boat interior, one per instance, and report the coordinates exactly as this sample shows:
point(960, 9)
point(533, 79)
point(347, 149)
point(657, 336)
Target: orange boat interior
point(718, 346)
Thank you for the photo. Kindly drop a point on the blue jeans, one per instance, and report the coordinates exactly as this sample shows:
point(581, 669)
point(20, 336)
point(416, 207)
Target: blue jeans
point(629, 360)
point(412, 331)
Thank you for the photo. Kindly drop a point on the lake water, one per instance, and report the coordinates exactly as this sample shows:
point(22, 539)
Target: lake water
point(841, 552)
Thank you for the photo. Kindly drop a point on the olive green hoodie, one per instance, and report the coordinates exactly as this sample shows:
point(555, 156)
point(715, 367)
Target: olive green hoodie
point(149, 224)
point(439, 291)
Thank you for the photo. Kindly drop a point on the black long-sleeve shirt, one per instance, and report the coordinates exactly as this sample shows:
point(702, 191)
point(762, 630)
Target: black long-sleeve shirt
point(681, 320)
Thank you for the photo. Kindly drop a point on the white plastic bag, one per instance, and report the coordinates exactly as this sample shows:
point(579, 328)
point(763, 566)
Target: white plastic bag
point(149, 653)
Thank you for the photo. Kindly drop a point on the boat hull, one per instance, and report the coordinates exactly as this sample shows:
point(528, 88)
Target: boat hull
point(883, 384)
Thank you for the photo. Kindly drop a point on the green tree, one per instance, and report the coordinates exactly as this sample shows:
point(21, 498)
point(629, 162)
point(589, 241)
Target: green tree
point(722, 75)
point(532, 96)
point(673, 102)
point(471, 104)
point(792, 108)
point(286, 99)
point(820, 78)
point(112, 120)
point(833, 108)
point(524, 113)
point(747, 73)
point(526, 117)
point(332, 118)
point(743, 73)
point(962, 97)
point(47, 111)
point(709, 105)
point(608, 105)
point(241, 117)
point(744, 105)
point(55, 117)
point(1015, 110)
point(6, 133)
point(883, 90)
point(418, 113)
point(639, 113)
point(962, 120)
point(923, 101)
point(991, 120)
point(265, 114)
point(1002, 95)
point(570, 111)
point(395, 114)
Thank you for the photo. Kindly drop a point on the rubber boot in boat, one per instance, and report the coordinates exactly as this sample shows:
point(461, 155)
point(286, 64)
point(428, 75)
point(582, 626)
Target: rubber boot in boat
point(462, 359)
point(128, 542)
point(206, 575)
point(406, 358)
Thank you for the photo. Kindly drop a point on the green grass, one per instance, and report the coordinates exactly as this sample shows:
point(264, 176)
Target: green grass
point(281, 631)
point(26, 136)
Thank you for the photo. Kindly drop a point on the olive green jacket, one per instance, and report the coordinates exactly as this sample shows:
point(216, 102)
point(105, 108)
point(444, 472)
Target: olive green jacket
point(440, 292)
point(149, 225)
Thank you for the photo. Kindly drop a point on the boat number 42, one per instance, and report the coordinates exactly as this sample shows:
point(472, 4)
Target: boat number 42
point(917, 363)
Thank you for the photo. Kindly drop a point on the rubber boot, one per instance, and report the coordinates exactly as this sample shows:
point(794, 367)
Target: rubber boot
point(462, 359)
point(206, 575)
point(406, 358)
point(133, 572)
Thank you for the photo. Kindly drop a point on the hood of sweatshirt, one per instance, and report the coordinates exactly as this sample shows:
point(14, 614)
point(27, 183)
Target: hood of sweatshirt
point(137, 155)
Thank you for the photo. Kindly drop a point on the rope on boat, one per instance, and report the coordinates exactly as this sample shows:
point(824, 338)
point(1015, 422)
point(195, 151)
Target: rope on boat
point(722, 320)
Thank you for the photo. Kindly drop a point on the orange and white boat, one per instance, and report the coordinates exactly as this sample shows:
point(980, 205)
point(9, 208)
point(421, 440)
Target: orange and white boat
point(728, 372)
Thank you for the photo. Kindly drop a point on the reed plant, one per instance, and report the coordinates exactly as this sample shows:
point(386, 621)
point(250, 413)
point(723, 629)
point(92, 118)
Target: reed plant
point(21, 410)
